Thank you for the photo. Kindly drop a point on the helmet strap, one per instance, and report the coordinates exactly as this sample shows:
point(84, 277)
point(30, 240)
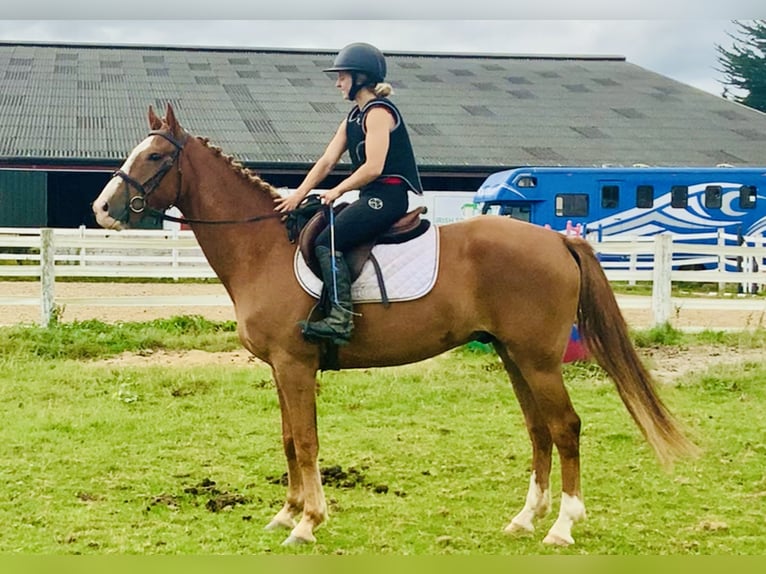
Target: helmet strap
point(355, 87)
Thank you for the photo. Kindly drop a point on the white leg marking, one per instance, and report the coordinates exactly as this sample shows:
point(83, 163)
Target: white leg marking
point(283, 519)
point(572, 510)
point(538, 503)
point(303, 533)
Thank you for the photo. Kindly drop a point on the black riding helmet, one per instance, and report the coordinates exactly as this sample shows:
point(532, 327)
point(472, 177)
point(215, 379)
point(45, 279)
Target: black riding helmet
point(360, 57)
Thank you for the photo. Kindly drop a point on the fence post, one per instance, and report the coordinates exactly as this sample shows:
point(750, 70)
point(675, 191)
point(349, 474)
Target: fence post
point(662, 304)
point(633, 259)
point(721, 259)
point(174, 235)
point(47, 276)
point(747, 267)
point(760, 242)
point(82, 249)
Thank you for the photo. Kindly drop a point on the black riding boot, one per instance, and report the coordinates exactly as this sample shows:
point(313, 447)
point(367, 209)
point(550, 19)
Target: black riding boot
point(340, 322)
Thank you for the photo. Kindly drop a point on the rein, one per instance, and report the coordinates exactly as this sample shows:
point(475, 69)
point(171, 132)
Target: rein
point(166, 217)
point(137, 204)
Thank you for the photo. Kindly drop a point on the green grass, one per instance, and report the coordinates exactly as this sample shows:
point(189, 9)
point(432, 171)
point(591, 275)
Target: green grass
point(666, 335)
point(680, 289)
point(103, 459)
point(93, 339)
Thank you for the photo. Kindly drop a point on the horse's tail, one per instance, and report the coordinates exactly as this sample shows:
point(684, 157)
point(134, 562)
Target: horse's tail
point(605, 334)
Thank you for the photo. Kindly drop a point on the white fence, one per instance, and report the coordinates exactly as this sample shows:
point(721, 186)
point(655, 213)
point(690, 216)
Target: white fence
point(100, 253)
point(717, 258)
point(49, 253)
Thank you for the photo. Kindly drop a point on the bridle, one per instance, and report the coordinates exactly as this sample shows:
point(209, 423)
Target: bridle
point(137, 204)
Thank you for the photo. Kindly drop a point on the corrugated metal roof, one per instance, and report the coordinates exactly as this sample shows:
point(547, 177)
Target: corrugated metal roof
point(272, 106)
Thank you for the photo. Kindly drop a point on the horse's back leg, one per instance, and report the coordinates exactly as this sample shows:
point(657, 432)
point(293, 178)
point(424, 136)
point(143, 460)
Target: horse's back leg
point(538, 499)
point(542, 381)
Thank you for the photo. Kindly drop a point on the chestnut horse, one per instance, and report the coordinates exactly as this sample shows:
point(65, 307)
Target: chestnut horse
point(517, 285)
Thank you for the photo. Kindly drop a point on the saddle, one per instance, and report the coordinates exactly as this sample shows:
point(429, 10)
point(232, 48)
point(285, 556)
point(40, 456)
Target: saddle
point(311, 217)
point(409, 226)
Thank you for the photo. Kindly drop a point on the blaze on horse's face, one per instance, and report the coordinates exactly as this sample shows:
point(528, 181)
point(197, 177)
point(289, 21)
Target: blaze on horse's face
point(121, 204)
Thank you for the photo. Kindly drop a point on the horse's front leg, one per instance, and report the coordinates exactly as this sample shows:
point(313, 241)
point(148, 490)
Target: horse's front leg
point(297, 395)
point(293, 506)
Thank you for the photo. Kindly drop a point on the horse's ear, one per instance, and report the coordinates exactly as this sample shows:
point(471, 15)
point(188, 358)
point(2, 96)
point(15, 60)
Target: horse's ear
point(155, 123)
point(170, 117)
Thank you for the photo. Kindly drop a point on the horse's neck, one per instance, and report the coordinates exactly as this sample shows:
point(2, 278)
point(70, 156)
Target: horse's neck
point(214, 191)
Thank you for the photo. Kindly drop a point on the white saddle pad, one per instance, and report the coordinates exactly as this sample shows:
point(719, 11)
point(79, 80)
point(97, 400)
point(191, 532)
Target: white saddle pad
point(409, 271)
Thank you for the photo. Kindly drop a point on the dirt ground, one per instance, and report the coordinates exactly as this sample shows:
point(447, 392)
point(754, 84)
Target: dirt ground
point(109, 302)
point(667, 365)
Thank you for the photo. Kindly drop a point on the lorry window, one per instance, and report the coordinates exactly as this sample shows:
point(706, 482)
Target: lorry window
point(747, 195)
point(527, 181)
point(572, 205)
point(679, 196)
point(610, 196)
point(522, 212)
point(645, 196)
point(713, 197)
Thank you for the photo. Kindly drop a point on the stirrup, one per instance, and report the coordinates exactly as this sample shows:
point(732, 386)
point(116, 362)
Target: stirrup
point(316, 338)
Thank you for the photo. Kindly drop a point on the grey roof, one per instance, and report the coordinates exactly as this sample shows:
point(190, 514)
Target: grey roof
point(271, 107)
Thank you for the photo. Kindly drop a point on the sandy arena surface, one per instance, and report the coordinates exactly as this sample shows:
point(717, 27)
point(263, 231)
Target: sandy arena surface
point(112, 302)
point(108, 301)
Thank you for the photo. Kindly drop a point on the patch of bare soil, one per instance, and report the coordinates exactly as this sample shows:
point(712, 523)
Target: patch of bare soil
point(186, 358)
point(216, 499)
point(336, 477)
point(668, 364)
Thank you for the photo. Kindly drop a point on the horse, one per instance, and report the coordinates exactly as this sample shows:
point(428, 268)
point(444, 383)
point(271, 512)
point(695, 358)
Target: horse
point(502, 281)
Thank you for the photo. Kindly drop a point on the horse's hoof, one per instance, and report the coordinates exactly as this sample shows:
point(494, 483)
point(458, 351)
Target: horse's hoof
point(556, 540)
point(293, 540)
point(279, 525)
point(518, 528)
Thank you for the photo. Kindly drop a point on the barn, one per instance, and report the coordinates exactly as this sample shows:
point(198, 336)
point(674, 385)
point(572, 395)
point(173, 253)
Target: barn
point(70, 113)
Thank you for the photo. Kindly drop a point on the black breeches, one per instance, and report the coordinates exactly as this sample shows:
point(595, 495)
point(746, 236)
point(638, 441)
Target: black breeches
point(377, 209)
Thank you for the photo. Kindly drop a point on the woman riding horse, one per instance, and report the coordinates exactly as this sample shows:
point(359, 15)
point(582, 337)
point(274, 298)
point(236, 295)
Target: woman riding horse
point(384, 169)
point(517, 285)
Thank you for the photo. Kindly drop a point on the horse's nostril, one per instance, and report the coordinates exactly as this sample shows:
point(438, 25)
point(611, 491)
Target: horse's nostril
point(105, 207)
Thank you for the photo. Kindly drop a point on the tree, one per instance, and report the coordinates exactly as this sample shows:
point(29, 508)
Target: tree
point(744, 66)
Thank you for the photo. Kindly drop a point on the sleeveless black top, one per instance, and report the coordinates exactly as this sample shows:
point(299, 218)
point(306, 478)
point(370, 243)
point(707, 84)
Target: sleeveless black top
point(400, 159)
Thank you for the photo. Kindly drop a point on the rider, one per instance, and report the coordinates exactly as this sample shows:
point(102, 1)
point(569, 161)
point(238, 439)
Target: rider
point(384, 169)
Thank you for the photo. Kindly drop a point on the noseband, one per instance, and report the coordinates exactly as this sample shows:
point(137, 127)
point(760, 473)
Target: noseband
point(137, 204)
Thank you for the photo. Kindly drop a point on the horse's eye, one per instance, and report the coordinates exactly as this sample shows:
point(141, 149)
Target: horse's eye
point(155, 156)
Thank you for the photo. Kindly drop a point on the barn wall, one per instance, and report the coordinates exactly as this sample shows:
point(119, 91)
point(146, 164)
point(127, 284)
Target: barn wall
point(23, 198)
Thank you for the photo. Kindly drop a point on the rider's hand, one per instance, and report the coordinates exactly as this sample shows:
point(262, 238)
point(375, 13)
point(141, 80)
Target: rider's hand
point(329, 196)
point(288, 202)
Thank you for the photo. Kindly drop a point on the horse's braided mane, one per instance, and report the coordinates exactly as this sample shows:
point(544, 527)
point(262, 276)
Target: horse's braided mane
point(240, 169)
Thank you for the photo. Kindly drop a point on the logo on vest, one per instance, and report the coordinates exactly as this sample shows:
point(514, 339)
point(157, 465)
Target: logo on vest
point(375, 203)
